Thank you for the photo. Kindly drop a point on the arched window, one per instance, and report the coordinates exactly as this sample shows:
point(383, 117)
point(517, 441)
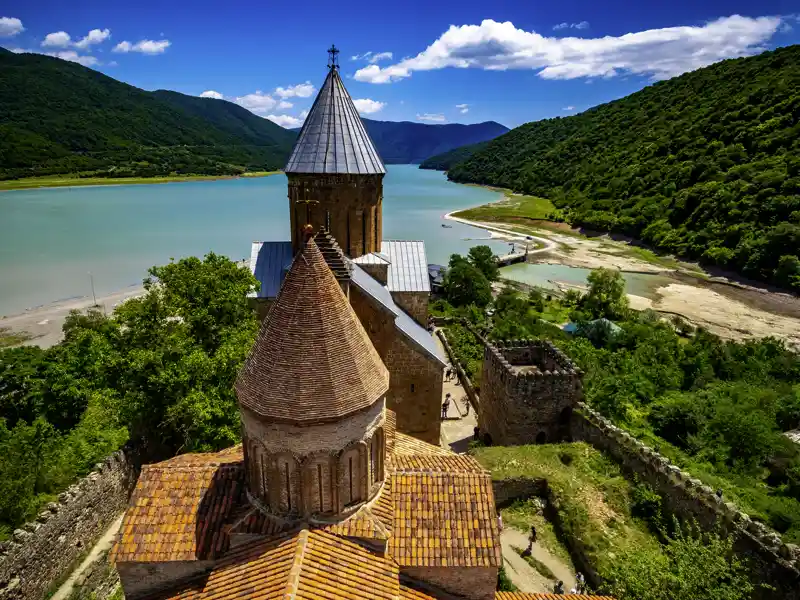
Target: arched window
point(319, 494)
point(352, 480)
point(541, 438)
point(286, 482)
point(376, 456)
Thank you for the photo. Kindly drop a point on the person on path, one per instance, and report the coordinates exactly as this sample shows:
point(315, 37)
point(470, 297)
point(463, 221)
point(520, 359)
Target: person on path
point(531, 541)
point(466, 405)
point(445, 406)
point(558, 588)
point(580, 582)
point(476, 433)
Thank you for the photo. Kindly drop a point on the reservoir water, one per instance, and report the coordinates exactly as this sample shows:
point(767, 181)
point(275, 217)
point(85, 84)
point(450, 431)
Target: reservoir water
point(51, 239)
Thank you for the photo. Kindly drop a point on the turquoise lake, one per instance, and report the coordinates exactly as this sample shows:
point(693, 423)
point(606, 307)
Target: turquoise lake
point(51, 239)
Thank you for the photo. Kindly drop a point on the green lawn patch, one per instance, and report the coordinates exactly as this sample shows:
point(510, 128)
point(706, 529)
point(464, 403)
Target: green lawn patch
point(513, 205)
point(9, 338)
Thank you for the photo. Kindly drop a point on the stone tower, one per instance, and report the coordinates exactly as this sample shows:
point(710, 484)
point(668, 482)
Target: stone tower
point(335, 173)
point(312, 398)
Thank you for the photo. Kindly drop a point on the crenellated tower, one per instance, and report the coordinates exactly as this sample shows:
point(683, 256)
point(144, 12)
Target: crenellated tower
point(335, 173)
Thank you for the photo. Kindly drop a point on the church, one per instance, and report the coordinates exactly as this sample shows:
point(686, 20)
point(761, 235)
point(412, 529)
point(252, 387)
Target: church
point(335, 180)
point(336, 491)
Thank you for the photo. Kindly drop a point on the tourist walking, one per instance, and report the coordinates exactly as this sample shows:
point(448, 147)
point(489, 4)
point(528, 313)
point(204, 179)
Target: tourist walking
point(466, 405)
point(558, 588)
point(580, 583)
point(448, 375)
point(445, 406)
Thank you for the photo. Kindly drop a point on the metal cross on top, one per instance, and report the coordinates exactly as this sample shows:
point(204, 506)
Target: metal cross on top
point(333, 62)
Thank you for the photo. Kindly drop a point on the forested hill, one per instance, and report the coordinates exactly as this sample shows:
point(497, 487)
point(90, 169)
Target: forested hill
point(405, 142)
point(705, 165)
point(446, 160)
point(61, 117)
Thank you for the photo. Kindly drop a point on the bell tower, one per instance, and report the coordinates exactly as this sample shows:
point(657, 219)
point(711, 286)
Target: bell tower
point(335, 173)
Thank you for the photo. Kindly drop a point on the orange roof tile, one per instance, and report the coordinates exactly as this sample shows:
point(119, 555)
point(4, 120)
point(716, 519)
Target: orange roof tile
point(313, 360)
point(427, 463)
point(371, 521)
point(527, 596)
point(303, 564)
point(179, 507)
point(406, 444)
point(407, 593)
point(444, 519)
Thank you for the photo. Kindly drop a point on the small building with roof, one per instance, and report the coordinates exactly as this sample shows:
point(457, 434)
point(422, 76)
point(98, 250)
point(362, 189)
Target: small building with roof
point(335, 186)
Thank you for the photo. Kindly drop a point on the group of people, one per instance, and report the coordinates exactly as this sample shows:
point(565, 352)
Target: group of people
point(558, 588)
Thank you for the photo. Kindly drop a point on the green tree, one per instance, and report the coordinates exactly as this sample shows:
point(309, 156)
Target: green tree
point(693, 566)
point(606, 296)
point(465, 284)
point(484, 260)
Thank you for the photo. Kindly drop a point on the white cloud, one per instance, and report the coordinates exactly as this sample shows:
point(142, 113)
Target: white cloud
point(59, 39)
point(287, 121)
point(143, 46)
point(10, 26)
point(301, 90)
point(283, 105)
point(211, 94)
point(72, 56)
point(258, 103)
point(366, 106)
point(304, 114)
point(463, 108)
point(658, 53)
point(95, 36)
point(581, 25)
point(568, 108)
point(431, 118)
point(372, 57)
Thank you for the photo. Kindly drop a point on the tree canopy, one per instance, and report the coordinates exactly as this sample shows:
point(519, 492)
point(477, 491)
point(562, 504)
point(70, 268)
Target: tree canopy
point(465, 284)
point(705, 165)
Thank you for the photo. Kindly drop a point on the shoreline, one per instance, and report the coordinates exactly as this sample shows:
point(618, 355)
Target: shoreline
point(54, 182)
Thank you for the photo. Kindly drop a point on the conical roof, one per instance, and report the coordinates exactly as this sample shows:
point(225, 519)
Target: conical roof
point(313, 361)
point(333, 138)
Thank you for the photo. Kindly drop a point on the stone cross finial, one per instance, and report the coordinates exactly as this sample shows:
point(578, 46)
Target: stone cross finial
point(333, 62)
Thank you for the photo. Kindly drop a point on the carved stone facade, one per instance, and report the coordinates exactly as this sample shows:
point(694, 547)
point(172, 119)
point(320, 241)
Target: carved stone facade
point(528, 391)
point(321, 471)
point(348, 206)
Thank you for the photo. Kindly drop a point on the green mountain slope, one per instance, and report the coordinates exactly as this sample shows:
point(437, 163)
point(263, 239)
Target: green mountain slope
point(58, 117)
point(445, 160)
point(405, 142)
point(706, 165)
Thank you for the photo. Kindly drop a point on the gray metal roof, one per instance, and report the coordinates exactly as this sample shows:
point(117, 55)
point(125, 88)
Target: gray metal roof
point(269, 262)
point(373, 258)
point(409, 269)
point(410, 329)
point(333, 138)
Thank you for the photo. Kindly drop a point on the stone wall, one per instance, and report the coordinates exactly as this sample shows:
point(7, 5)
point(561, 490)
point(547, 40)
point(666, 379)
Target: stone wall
point(475, 583)
point(529, 389)
point(774, 562)
point(415, 304)
point(415, 382)
point(44, 551)
point(98, 582)
point(508, 491)
point(348, 206)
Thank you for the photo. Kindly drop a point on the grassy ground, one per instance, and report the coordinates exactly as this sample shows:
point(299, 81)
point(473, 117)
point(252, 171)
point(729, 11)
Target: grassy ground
point(529, 207)
point(8, 339)
point(594, 498)
point(69, 180)
point(542, 568)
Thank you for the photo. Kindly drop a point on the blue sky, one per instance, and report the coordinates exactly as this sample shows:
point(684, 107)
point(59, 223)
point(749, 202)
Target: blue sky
point(450, 61)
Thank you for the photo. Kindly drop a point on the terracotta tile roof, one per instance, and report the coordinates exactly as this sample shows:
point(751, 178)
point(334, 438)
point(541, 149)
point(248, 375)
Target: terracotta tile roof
point(390, 431)
point(406, 444)
point(179, 509)
point(407, 593)
point(372, 521)
point(312, 361)
point(305, 564)
point(429, 463)
point(259, 569)
point(527, 596)
point(444, 519)
point(254, 522)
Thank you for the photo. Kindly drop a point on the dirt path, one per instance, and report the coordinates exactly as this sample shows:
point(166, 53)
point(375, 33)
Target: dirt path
point(458, 427)
point(547, 244)
point(522, 574)
point(103, 544)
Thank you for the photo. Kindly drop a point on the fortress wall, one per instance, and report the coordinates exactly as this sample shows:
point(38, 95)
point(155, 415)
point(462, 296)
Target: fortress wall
point(775, 562)
point(43, 552)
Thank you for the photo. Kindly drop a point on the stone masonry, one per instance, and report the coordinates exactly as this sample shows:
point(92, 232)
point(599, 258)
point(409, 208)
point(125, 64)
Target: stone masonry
point(45, 550)
point(415, 304)
point(528, 391)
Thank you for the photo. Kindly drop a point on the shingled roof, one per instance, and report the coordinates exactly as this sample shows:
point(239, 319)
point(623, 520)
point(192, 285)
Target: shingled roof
point(313, 361)
point(333, 138)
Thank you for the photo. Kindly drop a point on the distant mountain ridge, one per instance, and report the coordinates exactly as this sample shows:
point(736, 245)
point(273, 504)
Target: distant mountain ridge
point(406, 142)
point(705, 165)
point(60, 117)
